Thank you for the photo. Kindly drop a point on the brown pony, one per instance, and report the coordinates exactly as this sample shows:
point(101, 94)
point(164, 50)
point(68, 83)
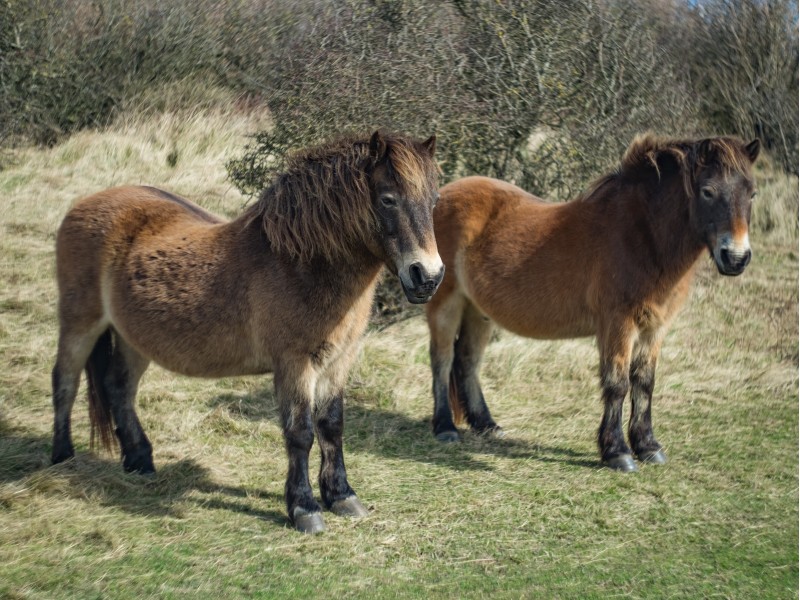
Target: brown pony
point(615, 263)
point(286, 288)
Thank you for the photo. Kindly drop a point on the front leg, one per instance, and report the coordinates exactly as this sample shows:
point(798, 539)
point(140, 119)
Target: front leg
point(444, 313)
point(298, 432)
point(616, 344)
point(642, 376)
point(337, 495)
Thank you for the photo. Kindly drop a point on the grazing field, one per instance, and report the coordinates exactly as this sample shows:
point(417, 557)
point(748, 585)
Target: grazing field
point(531, 515)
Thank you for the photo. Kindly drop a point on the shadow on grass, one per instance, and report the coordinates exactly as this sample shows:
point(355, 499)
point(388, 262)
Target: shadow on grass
point(397, 436)
point(24, 460)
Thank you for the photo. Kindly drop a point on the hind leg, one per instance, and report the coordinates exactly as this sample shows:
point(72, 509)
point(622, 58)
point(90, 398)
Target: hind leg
point(473, 337)
point(121, 383)
point(74, 348)
point(642, 376)
point(444, 317)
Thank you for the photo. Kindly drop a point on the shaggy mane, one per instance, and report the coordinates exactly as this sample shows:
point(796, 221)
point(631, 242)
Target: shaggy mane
point(321, 204)
point(641, 159)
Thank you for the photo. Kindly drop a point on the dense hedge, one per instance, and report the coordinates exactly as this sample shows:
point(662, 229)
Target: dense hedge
point(543, 92)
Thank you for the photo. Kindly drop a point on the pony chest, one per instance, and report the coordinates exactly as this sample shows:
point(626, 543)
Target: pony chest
point(650, 317)
point(340, 340)
point(323, 361)
point(655, 316)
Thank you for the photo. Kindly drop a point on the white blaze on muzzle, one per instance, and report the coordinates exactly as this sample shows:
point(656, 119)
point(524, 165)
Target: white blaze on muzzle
point(736, 247)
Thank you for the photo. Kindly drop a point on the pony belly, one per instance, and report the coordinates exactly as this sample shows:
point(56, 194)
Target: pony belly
point(206, 349)
point(540, 316)
point(215, 369)
point(208, 359)
point(549, 329)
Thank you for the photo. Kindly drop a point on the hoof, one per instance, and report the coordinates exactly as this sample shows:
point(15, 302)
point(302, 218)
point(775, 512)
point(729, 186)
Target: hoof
point(653, 457)
point(139, 460)
point(62, 456)
point(349, 507)
point(448, 437)
point(145, 468)
point(306, 522)
point(622, 463)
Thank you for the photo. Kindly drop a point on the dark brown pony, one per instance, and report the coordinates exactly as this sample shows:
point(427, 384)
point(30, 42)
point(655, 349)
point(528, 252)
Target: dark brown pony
point(285, 288)
point(615, 263)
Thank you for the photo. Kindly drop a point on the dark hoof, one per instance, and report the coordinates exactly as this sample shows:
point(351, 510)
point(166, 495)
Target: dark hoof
point(145, 468)
point(622, 463)
point(349, 507)
point(306, 522)
point(59, 457)
point(149, 475)
point(448, 437)
point(653, 457)
point(139, 461)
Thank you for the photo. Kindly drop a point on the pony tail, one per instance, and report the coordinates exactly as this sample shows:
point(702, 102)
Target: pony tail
point(99, 403)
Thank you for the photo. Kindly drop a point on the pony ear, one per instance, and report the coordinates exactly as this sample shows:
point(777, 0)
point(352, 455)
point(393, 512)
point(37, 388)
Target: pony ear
point(752, 149)
point(430, 144)
point(377, 146)
point(704, 149)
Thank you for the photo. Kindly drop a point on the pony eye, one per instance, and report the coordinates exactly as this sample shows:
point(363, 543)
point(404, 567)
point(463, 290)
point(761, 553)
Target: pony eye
point(388, 201)
point(707, 193)
point(753, 195)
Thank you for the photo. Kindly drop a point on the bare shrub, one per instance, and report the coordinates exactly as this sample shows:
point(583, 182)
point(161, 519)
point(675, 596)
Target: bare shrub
point(742, 60)
point(70, 64)
point(486, 76)
point(356, 66)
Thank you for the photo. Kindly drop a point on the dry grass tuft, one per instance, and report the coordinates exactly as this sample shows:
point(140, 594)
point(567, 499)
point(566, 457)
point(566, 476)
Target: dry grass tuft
point(775, 210)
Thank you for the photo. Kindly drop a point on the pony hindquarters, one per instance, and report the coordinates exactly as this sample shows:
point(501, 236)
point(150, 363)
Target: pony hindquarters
point(86, 341)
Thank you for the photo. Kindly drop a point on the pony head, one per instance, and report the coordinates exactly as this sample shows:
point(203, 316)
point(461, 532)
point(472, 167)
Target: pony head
point(718, 184)
point(722, 190)
point(403, 187)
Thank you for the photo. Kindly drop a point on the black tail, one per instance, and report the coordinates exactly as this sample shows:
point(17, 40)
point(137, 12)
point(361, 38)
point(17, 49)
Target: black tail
point(99, 404)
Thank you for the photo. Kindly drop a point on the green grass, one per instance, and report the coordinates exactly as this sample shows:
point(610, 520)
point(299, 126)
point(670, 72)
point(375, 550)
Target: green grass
point(528, 516)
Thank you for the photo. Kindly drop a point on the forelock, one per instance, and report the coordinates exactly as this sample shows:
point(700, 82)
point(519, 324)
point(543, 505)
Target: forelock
point(414, 169)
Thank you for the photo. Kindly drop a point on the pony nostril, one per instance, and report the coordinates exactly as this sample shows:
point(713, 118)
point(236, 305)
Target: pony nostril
point(416, 272)
point(725, 256)
point(422, 281)
point(746, 258)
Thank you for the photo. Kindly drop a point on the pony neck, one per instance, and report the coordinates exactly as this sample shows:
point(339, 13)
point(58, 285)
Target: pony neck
point(676, 243)
point(353, 257)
